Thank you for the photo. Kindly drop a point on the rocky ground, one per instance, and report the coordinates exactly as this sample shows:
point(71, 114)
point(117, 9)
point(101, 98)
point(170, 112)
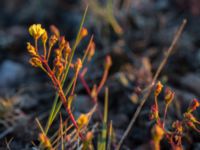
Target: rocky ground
point(148, 29)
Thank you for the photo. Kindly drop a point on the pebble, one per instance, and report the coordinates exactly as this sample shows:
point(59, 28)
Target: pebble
point(11, 73)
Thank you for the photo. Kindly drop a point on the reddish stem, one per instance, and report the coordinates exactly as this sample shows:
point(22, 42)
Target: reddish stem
point(85, 85)
point(103, 80)
point(57, 85)
point(165, 114)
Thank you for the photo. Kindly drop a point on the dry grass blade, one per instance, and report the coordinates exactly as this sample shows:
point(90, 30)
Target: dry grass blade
point(144, 98)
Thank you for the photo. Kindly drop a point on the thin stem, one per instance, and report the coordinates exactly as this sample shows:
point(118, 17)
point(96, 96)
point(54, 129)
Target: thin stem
point(103, 80)
point(39, 125)
point(165, 113)
point(74, 84)
point(61, 132)
point(61, 94)
point(156, 102)
point(84, 83)
point(49, 52)
point(36, 45)
point(51, 116)
point(156, 145)
point(87, 50)
point(145, 97)
point(60, 103)
point(45, 50)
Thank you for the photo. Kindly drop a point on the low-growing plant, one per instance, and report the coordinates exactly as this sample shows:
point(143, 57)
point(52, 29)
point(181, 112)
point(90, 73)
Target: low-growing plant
point(55, 47)
point(177, 130)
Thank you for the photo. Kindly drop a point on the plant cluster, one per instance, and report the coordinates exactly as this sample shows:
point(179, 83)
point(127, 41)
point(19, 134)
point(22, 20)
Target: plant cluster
point(178, 128)
point(56, 60)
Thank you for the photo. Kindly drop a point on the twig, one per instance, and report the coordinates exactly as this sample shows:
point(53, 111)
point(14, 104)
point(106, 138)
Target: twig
point(144, 99)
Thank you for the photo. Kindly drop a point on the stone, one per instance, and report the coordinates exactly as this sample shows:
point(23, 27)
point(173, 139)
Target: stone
point(191, 82)
point(11, 73)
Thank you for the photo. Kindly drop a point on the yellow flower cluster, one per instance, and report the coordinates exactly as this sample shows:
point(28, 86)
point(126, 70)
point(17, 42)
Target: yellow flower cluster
point(36, 31)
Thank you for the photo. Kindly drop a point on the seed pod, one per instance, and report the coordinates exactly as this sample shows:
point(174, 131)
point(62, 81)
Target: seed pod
point(94, 92)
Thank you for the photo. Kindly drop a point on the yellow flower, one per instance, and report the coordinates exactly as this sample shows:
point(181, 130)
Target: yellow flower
point(82, 120)
point(45, 141)
point(36, 31)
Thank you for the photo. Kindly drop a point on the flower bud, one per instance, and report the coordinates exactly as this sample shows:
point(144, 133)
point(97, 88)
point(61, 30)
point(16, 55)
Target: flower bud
point(58, 52)
point(190, 117)
point(193, 106)
point(67, 50)
point(35, 62)
point(78, 65)
point(89, 136)
point(191, 124)
point(158, 89)
point(169, 95)
point(55, 31)
point(62, 42)
point(58, 65)
point(178, 126)
point(154, 113)
point(91, 51)
point(31, 49)
point(108, 62)
point(52, 41)
point(44, 37)
point(84, 32)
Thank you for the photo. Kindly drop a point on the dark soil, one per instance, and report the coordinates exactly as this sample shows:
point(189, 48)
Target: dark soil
point(148, 29)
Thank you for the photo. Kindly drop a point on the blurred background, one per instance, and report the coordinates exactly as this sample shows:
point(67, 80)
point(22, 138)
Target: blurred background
point(136, 33)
